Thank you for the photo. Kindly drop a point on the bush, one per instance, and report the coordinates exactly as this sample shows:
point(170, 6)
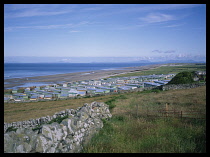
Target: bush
point(183, 78)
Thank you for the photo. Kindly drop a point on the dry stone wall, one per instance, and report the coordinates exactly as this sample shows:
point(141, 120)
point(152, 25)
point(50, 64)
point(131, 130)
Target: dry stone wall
point(181, 86)
point(67, 137)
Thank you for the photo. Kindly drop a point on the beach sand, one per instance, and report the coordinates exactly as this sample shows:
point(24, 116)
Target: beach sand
point(79, 76)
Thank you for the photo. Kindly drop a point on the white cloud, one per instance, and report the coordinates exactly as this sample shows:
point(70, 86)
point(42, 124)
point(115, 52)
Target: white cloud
point(69, 25)
point(74, 31)
point(34, 12)
point(38, 27)
point(157, 17)
point(30, 10)
point(160, 51)
point(175, 25)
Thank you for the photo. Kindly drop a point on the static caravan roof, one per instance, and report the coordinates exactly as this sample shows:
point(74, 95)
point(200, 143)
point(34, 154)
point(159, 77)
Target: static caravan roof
point(82, 92)
point(55, 93)
point(100, 91)
point(48, 96)
point(153, 84)
point(72, 91)
point(82, 89)
point(34, 97)
point(132, 84)
point(18, 94)
point(160, 82)
point(64, 95)
point(33, 93)
point(166, 80)
point(91, 89)
point(6, 98)
point(125, 87)
point(18, 98)
point(106, 88)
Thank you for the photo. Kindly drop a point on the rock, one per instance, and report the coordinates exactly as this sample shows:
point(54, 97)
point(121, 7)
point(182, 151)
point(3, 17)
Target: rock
point(66, 137)
point(68, 123)
point(42, 144)
point(20, 149)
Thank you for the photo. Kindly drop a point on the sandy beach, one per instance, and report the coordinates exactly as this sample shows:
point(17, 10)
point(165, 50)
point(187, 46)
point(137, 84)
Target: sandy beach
point(79, 76)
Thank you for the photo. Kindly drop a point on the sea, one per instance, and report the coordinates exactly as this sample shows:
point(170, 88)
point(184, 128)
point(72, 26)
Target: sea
point(22, 70)
point(25, 70)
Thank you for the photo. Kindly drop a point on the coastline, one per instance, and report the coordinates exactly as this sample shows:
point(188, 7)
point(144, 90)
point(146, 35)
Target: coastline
point(78, 76)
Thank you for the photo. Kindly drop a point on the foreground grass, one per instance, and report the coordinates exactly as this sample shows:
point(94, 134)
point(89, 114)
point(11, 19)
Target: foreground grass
point(131, 131)
point(141, 135)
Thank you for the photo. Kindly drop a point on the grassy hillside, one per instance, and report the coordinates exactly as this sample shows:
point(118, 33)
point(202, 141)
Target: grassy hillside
point(131, 131)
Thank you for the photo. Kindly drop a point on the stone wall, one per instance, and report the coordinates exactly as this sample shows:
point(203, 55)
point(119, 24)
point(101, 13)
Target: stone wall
point(181, 86)
point(67, 137)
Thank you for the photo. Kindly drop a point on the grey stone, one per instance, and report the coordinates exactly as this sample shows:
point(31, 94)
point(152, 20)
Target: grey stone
point(66, 137)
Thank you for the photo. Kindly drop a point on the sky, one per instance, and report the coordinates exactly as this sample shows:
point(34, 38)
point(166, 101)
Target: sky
point(145, 31)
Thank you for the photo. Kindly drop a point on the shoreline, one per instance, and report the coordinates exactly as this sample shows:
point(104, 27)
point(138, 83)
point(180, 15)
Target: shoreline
point(71, 77)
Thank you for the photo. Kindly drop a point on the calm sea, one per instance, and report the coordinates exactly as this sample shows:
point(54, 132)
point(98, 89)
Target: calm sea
point(20, 70)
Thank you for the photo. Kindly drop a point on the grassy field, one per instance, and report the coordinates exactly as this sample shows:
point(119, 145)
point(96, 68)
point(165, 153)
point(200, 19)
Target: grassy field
point(131, 131)
point(167, 70)
point(24, 111)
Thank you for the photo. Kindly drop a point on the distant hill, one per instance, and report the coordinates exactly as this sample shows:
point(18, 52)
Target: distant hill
point(183, 61)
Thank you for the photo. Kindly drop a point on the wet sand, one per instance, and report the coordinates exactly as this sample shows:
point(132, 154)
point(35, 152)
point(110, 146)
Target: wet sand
point(79, 76)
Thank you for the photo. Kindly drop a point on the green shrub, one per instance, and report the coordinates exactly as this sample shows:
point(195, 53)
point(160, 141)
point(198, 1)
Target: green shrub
point(38, 127)
point(58, 119)
point(11, 128)
point(184, 77)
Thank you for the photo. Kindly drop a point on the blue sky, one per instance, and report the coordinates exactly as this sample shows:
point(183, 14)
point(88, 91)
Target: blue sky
point(147, 31)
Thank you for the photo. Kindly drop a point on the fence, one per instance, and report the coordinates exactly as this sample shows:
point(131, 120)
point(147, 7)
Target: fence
point(176, 113)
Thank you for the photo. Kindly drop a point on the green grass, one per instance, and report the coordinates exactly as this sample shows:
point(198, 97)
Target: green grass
point(111, 101)
point(130, 130)
point(167, 70)
point(140, 135)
